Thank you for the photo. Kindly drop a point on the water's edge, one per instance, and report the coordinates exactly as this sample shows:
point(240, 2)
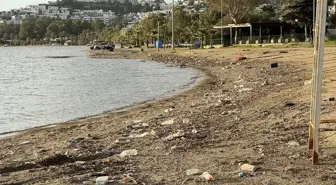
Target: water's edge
point(196, 80)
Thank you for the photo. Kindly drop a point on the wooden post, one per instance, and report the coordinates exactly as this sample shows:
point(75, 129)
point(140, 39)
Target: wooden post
point(315, 116)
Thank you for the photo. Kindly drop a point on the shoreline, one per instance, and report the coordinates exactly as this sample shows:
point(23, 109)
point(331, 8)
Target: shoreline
point(238, 114)
point(196, 80)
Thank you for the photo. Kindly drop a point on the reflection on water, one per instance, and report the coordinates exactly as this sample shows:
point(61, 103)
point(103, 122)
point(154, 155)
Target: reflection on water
point(39, 86)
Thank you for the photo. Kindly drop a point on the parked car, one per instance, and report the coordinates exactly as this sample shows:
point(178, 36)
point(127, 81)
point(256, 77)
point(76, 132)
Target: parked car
point(103, 46)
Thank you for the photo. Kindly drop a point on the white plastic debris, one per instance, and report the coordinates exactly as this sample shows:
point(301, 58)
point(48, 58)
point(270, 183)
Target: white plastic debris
point(245, 90)
point(102, 180)
point(126, 153)
point(207, 176)
point(193, 171)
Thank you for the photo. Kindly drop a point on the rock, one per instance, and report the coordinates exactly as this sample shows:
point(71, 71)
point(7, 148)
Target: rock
point(180, 133)
point(102, 180)
point(247, 168)
point(194, 131)
point(293, 143)
point(126, 153)
point(308, 82)
point(193, 172)
point(168, 122)
point(139, 135)
point(186, 121)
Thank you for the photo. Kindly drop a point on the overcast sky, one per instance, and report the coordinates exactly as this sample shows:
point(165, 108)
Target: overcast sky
point(11, 4)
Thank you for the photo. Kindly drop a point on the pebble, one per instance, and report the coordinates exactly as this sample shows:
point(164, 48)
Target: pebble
point(293, 143)
point(168, 122)
point(126, 153)
point(186, 121)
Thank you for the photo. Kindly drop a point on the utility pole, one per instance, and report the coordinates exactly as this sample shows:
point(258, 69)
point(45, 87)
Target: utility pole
point(173, 27)
point(315, 110)
point(158, 42)
point(222, 41)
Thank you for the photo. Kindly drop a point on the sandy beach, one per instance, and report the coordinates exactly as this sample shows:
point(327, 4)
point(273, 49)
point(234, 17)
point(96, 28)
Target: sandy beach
point(243, 112)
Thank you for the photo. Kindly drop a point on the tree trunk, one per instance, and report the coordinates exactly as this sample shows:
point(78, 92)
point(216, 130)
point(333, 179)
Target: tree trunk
point(236, 36)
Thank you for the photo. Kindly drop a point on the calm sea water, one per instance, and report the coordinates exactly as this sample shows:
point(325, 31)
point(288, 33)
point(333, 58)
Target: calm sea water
point(36, 90)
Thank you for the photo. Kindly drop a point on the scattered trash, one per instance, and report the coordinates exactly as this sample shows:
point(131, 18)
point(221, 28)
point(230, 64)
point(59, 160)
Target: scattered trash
point(308, 82)
point(180, 133)
point(140, 126)
point(290, 104)
point(125, 180)
point(225, 101)
point(206, 176)
point(332, 99)
point(126, 153)
point(240, 58)
point(139, 135)
point(153, 133)
point(247, 168)
point(245, 90)
point(274, 65)
point(102, 180)
point(168, 122)
point(186, 121)
point(281, 84)
point(194, 131)
point(168, 110)
point(80, 162)
point(193, 172)
point(293, 143)
point(25, 142)
point(242, 174)
point(86, 182)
